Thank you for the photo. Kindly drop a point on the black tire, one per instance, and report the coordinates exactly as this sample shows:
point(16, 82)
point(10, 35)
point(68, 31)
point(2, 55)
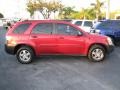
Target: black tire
point(92, 50)
point(27, 54)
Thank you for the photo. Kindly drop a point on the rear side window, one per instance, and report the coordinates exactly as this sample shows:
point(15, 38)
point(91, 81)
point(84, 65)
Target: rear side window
point(21, 28)
point(79, 23)
point(43, 28)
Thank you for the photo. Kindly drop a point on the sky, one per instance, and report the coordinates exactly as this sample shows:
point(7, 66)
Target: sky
point(17, 8)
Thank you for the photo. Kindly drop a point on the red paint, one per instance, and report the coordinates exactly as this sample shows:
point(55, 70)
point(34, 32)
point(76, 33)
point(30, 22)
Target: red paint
point(56, 43)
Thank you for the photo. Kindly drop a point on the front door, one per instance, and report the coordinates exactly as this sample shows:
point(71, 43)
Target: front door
point(69, 42)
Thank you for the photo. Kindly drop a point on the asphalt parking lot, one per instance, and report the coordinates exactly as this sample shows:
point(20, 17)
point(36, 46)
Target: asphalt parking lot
point(59, 72)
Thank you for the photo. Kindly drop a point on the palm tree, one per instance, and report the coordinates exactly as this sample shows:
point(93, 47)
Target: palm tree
point(88, 13)
point(97, 7)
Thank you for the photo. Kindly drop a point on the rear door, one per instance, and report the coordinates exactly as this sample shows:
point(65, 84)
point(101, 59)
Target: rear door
point(68, 40)
point(42, 36)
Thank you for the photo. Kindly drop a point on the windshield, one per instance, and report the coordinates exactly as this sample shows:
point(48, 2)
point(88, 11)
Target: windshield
point(96, 24)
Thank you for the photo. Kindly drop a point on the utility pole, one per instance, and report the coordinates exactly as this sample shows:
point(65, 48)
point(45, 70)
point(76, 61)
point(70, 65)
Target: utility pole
point(108, 9)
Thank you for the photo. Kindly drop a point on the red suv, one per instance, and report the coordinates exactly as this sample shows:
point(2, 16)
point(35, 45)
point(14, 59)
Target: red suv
point(50, 37)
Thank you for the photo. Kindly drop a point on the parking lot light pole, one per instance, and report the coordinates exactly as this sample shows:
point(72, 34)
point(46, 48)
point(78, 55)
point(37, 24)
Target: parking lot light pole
point(108, 9)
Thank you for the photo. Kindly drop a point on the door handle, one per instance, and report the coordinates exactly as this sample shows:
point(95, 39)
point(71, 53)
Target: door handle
point(34, 36)
point(61, 37)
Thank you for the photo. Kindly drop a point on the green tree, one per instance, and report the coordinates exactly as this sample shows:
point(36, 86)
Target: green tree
point(66, 12)
point(54, 6)
point(44, 7)
point(1, 15)
point(87, 13)
point(97, 7)
point(31, 7)
point(84, 14)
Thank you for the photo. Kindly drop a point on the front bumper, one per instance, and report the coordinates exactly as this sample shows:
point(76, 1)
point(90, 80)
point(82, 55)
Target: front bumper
point(9, 49)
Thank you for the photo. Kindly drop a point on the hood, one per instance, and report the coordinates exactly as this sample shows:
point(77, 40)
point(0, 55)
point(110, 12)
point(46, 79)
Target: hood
point(97, 37)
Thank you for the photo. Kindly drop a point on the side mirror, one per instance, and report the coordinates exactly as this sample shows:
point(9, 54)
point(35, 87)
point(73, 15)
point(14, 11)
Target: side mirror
point(6, 28)
point(79, 33)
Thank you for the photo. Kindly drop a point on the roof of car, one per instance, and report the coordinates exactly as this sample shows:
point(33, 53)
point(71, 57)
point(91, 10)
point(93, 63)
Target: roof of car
point(45, 21)
point(110, 20)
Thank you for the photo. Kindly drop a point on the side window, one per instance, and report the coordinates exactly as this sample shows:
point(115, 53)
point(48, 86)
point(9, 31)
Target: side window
point(79, 23)
point(65, 29)
point(21, 28)
point(88, 23)
point(43, 28)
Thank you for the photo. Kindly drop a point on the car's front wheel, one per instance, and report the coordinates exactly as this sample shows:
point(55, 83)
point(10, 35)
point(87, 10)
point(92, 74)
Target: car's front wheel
point(25, 55)
point(96, 53)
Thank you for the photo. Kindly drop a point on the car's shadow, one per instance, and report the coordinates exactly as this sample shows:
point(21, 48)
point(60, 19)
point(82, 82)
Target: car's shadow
point(59, 58)
point(62, 58)
point(117, 44)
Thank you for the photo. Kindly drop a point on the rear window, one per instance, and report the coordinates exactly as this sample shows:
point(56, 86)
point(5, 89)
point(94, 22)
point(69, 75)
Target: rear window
point(79, 23)
point(21, 28)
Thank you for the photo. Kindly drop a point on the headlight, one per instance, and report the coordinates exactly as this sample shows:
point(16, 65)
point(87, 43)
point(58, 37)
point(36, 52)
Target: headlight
point(97, 31)
point(109, 40)
point(8, 37)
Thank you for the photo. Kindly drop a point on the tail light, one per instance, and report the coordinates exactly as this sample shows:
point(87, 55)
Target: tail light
point(10, 41)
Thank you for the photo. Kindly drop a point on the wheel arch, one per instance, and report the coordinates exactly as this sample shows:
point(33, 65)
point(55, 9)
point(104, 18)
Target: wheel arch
point(23, 45)
point(104, 46)
point(111, 36)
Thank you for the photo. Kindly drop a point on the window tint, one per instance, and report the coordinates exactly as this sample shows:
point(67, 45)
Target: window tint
point(116, 25)
point(106, 25)
point(79, 23)
point(43, 28)
point(21, 28)
point(65, 29)
point(88, 23)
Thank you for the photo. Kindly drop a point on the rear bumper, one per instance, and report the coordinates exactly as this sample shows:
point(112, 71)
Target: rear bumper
point(110, 48)
point(9, 49)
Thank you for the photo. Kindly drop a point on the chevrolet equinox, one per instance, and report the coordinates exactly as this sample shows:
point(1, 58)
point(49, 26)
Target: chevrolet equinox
point(31, 38)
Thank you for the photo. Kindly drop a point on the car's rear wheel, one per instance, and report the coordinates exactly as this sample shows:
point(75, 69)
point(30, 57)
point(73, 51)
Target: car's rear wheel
point(25, 55)
point(96, 53)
